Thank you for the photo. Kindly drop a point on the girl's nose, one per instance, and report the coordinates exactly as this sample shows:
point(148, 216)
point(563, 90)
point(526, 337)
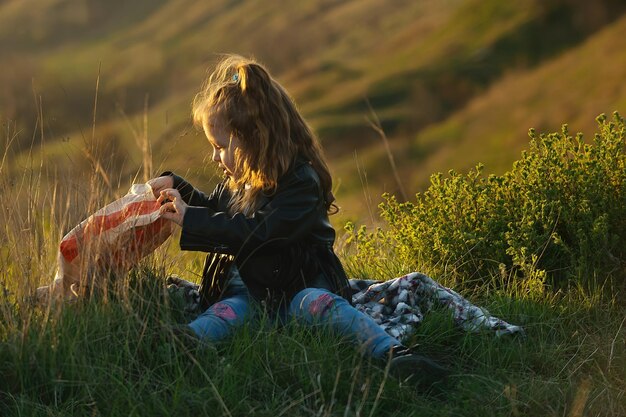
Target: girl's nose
point(216, 156)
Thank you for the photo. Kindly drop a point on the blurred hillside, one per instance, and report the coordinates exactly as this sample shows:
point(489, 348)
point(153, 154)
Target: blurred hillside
point(453, 82)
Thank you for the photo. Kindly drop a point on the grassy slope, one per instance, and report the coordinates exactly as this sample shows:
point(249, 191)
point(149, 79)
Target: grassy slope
point(116, 358)
point(167, 58)
point(431, 62)
point(492, 128)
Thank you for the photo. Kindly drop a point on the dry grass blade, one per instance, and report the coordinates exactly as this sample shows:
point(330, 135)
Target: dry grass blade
point(374, 122)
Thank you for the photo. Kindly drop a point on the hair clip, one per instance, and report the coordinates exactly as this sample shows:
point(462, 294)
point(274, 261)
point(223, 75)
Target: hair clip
point(236, 77)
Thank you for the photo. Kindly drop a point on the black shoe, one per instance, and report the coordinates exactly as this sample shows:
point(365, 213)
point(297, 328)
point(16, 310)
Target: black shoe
point(409, 367)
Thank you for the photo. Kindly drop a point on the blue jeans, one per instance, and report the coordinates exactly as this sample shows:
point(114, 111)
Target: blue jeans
point(312, 306)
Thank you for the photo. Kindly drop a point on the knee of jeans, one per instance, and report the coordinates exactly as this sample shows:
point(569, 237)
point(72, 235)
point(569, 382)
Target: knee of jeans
point(223, 311)
point(313, 301)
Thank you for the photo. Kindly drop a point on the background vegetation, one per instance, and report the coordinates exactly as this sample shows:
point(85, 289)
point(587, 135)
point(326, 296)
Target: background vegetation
point(96, 96)
point(454, 83)
point(554, 219)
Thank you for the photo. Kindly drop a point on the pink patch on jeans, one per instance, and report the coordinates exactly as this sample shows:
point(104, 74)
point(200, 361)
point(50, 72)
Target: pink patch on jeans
point(224, 311)
point(321, 304)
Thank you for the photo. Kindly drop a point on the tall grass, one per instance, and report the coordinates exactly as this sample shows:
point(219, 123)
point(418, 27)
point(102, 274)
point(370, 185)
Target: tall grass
point(117, 355)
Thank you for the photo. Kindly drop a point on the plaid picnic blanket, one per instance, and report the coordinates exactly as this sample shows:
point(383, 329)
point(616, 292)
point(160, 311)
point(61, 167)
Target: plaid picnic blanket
point(397, 305)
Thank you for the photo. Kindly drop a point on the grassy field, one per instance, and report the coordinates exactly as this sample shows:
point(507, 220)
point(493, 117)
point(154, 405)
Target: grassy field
point(115, 354)
point(452, 86)
point(118, 357)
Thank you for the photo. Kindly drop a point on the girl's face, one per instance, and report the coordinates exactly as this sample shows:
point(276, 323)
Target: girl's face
point(224, 145)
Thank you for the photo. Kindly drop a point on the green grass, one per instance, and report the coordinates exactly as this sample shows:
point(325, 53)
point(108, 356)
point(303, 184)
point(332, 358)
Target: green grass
point(115, 354)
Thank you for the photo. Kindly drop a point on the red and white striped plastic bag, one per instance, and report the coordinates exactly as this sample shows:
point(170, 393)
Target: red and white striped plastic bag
point(111, 241)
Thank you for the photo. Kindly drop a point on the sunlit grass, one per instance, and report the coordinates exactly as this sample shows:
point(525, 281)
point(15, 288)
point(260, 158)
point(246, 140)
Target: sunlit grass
point(115, 353)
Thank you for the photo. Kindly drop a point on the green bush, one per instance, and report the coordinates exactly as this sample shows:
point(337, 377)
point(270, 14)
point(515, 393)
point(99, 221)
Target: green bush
point(559, 216)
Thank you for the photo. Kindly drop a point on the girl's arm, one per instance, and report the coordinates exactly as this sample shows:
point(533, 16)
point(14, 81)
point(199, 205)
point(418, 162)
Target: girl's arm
point(288, 217)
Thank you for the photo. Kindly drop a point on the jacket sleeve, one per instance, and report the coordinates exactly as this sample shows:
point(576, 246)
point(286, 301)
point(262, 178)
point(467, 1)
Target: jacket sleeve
point(286, 218)
point(192, 196)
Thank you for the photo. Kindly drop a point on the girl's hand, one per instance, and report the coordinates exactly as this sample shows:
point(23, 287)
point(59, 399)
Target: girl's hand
point(173, 207)
point(161, 183)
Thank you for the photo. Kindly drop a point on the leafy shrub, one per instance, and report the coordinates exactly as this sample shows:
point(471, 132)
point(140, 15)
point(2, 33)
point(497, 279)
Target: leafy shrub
point(558, 215)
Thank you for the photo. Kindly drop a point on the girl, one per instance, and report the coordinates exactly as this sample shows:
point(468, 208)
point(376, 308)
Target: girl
point(266, 224)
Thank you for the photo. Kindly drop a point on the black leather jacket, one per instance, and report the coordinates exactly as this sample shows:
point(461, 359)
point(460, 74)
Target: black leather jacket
point(284, 246)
